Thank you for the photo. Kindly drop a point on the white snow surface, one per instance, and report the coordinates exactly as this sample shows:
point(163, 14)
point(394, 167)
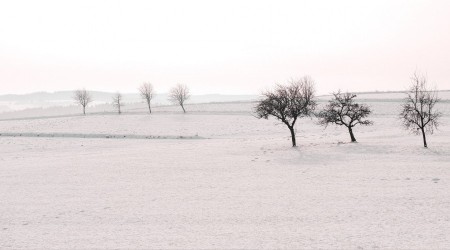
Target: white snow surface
point(218, 178)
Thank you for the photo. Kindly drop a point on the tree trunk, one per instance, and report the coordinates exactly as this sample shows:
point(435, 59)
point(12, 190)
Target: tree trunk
point(352, 137)
point(149, 107)
point(184, 111)
point(84, 110)
point(424, 138)
point(291, 128)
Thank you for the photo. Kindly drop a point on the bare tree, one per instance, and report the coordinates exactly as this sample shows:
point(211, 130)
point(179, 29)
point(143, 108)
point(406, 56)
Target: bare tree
point(118, 102)
point(342, 110)
point(147, 92)
point(82, 97)
point(418, 110)
point(288, 102)
point(179, 95)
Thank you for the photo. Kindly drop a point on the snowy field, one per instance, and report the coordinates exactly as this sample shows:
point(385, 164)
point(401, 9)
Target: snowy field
point(217, 177)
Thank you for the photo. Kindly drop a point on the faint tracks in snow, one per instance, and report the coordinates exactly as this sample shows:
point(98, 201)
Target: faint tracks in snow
point(99, 136)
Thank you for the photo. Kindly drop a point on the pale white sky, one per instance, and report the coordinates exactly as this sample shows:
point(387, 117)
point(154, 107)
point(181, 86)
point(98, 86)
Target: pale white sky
point(229, 47)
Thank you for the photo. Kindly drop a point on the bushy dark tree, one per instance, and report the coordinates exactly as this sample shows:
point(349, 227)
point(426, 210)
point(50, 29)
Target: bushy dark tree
point(419, 114)
point(288, 103)
point(342, 110)
point(83, 98)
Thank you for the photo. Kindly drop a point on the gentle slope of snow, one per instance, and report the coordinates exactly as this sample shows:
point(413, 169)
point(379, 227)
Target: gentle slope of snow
point(242, 186)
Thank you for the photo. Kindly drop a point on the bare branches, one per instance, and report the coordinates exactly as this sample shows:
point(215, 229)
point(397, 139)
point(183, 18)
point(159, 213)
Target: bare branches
point(117, 102)
point(147, 92)
point(179, 95)
point(418, 110)
point(342, 110)
point(83, 98)
point(288, 102)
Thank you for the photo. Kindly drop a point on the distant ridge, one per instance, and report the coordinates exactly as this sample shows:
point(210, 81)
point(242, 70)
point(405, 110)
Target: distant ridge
point(12, 102)
point(106, 96)
point(379, 92)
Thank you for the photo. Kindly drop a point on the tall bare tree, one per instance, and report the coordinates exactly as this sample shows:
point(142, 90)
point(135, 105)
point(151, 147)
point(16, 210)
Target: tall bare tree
point(179, 95)
point(288, 102)
point(118, 102)
point(419, 114)
point(82, 97)
point(342, 110)
point(147, 92)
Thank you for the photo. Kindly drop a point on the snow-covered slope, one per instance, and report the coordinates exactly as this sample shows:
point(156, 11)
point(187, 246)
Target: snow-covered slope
point(217, 177)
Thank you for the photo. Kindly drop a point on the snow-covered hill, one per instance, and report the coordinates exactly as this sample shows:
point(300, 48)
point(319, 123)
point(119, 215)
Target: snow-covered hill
point(218, 178)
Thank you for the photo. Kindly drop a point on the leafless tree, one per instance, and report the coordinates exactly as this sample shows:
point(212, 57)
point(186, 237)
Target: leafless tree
point(342, 110)
point(418, 110)
point(147, 92)
point(288, 102)
point(179, 95)
point(118, 102)
point(82, 97)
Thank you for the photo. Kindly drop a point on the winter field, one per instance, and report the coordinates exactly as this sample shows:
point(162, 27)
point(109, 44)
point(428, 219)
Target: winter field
point(217, 177)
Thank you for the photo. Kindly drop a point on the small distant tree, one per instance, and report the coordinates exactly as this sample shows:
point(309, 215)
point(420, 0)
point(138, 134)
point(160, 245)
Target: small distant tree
point(118, 102)
point(288, 103)
point(83, 98)
point(179, 95)
point(147, 92)
point(419, 114)
point(342, 110)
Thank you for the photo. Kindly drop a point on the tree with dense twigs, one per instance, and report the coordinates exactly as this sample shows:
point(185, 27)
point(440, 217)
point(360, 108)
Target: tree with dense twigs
point(179, 95)
point(83, 98)
point(147, 92)
point(419, 113)
point(343, 110)
point(288, 103)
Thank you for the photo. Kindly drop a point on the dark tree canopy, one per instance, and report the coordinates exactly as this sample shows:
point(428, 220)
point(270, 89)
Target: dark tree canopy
point(288, 103)
point(342, 110)
point(419, 114)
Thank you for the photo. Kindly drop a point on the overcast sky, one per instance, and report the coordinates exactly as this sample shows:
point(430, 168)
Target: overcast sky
point(229, 47)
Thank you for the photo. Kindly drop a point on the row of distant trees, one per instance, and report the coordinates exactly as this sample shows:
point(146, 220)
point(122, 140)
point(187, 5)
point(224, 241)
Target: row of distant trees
point(296, 99)
point(178, 95)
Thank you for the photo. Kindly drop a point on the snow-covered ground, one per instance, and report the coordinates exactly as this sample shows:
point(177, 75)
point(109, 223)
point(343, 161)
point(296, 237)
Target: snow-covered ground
point(217, 177)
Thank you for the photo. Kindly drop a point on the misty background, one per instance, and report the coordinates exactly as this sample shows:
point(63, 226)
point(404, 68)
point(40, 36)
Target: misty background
point(226, 47)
